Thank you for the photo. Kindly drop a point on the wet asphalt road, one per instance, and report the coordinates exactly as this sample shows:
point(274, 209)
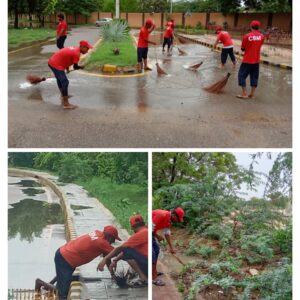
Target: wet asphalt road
point(148, 111)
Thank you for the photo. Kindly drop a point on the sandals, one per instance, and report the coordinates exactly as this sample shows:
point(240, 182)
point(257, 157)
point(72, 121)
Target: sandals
point(242, 97)
point(158, 282)
point(160, 273)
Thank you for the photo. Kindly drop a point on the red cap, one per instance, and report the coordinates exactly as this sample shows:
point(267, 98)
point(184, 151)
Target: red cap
point(135, 219)
point(180, 213)
point(112, 231)
point(255, 23)
point(85, 44)
point(219, 28)
point(149, 22)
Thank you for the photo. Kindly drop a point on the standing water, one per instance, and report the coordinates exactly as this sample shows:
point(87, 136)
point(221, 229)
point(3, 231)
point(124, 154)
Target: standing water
point(35, 232)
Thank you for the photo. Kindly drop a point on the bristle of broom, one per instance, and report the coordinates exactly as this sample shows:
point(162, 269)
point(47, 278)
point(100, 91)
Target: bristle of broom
point(160, 71)
point(181, 52)
point(196, 66)
point(121, 279)
point(218, 86)
point(33, 79)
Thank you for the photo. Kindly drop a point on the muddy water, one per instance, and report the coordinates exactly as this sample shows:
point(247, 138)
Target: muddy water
point(35, 231)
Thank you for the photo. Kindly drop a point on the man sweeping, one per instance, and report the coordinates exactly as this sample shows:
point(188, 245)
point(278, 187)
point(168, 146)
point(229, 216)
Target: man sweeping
point(60, 62)
point(168, 38)
point(162, 220)
point(61, 32)
point(78, 252)
point(227, 49)
point(143, 42)
point(251, 45)
point(134, 251)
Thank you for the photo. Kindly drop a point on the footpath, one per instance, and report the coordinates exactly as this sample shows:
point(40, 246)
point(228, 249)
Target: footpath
point(270, 55)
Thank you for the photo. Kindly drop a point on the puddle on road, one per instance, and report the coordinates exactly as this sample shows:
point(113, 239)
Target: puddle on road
point(79, 207)
point(35, 232)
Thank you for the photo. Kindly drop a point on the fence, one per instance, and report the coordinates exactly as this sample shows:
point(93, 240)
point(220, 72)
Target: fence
point(24, 294)
point(237, 21)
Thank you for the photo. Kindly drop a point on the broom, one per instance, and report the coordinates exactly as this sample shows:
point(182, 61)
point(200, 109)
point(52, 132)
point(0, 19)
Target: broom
point(178, 259)
point(195, 66)
point(160, 71)
point(218, 86)
point(33, 79)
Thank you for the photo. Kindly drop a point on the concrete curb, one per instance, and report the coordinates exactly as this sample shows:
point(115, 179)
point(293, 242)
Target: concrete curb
point(31, 45)
point(262, 60)
point(76, 288)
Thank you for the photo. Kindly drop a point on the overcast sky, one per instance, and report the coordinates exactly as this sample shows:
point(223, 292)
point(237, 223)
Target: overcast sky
point(264, 165)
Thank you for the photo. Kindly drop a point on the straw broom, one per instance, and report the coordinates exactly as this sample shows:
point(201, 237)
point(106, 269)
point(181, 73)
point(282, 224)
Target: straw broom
point(33, 79)
point(160, 71)
point(218, 86)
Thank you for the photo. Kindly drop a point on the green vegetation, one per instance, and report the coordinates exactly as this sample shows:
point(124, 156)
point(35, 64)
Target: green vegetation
point(122, 200)
point(233, 235)
point(19, 37)
point(118, 180)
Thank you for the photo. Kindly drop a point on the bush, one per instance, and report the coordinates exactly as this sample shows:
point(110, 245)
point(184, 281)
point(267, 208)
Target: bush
point(199, 25)
point(283, 239)
point(219, 232)
point(206, 251)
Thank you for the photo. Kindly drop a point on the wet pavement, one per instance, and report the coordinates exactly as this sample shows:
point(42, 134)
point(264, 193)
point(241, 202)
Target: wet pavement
point(88, 215)
point(148, 111)
point(35, 231)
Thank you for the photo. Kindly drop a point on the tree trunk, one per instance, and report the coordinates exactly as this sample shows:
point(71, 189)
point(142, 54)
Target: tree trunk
point(173, 170)
point(30, 20)
point(16, 23)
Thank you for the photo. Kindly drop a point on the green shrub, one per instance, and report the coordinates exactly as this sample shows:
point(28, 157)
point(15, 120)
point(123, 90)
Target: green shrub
point(206, 251)
point(283, 238)
point(199, 25)
point(115, 31)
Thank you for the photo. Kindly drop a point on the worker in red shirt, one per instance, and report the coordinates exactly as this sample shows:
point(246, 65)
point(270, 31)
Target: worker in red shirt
point(142, 49)
point(172, 24)
point(168, 38)
point(227, 49)
point(81, 251)
point(162, 220)
point(61, 32)
point(134, 251)
point(251, 44)
point(60, 62)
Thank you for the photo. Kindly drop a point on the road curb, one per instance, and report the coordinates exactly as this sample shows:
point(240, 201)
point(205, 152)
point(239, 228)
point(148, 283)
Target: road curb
point(34, 44)
point(76, 288)
point(262, 60)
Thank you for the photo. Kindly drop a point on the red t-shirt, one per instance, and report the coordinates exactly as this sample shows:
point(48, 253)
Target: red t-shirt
point(85, 248)
point(252, 43)
point(161, 219)
point(225, 38)
point(168, 33)
point(62, 25)
point(143, 38)
point(170, 23)
point(138, 241)
point(64, 58)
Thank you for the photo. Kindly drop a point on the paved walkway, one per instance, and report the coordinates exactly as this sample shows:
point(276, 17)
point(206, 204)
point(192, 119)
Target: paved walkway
point(89, 214)
point(276, 56)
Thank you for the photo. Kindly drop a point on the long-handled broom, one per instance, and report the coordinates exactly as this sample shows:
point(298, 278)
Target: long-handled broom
point(218, 86)
point(160, 71)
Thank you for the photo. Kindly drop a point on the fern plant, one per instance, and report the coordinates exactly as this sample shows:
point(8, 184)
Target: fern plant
point(114, 32)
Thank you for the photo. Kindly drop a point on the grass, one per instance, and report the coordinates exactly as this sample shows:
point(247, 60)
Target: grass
point(123, 200)
point(19, 37)
point(104, 55)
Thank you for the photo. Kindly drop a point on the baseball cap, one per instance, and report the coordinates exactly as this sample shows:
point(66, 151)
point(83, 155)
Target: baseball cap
point(255, 23)
point(149, 22)
point(112, 231)
point(180, 213)
point(218, 28)
point(135, 219)
point(85, 44)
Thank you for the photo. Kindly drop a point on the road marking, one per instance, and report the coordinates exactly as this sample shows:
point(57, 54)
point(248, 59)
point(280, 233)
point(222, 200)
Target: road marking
point(114, 76)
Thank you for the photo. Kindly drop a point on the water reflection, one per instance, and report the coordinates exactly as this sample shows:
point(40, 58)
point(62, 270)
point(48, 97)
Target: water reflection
point(32, 191)
point(27, 183)
point(29, 217)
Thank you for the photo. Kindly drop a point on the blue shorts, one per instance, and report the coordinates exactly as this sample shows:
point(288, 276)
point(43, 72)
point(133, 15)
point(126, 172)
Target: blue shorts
point(60, 42)
point(142, 53)
point(141, 260)
point(245, 71)
point(64, 275)
point(155, 250)
point(167, 41)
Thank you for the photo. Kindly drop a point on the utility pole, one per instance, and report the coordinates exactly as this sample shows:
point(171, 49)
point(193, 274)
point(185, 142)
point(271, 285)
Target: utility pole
point(117, 9)
point(171, 7)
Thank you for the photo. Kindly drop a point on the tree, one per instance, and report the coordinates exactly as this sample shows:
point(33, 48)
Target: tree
point(154, 5)
point(44, 8)
point(268, 5)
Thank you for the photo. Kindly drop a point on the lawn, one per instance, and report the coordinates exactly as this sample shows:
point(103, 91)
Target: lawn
point(122, 200)
point(104, 55)
point(19, 37)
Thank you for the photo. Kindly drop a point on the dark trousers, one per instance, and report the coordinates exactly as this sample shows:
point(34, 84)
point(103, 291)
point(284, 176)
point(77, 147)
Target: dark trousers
point(60, 42)
point(61, 79)
point(246, 70)
point(142, 53)
point(141, 260)
point(155, 250)
point(224, 54)
point(167, 41)
point(64, 275)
